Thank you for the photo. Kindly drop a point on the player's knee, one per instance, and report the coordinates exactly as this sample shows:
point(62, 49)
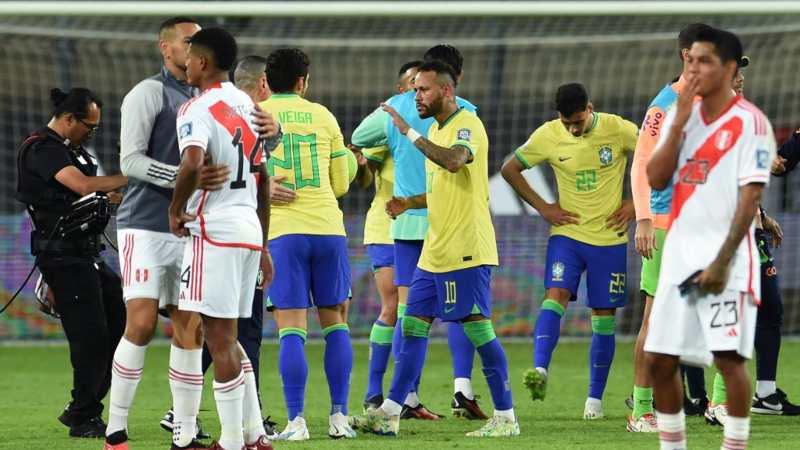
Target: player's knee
point(479, 332)
point(416, 327)
point(728, 362)
point(604, 325)
point(559, 295)
point(660, 367)
point(388, 316)
point(140, 330)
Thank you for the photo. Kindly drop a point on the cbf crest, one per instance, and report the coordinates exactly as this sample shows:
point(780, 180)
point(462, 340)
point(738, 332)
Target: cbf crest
point(557, 271)
point(606, 155)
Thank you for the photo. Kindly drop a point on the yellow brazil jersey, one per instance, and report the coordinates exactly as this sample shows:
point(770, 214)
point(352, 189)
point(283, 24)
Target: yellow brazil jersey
point(590, 172)
point(378, 223)
point(310, 136)
point(460, 231)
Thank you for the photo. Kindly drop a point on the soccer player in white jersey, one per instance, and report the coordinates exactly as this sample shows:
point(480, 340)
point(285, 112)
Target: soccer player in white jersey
point(229, 226)
point(717, 152)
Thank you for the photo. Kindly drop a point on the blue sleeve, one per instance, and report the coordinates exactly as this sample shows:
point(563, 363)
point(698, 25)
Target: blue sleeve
point(466, 105)
point(790, 150)
point(371, 132)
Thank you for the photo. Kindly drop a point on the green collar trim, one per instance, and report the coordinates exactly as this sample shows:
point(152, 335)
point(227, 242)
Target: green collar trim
point(444, 124)
point(595, 119)
point(284, 95)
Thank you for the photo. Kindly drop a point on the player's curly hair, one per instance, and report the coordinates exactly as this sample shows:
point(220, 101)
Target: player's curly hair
point(284, 67)
point(220, 43)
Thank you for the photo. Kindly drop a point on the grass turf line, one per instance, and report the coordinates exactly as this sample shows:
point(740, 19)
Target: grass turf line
point(36, 383)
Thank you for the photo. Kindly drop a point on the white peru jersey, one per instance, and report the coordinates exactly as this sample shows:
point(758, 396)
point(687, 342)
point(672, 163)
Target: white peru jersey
point(219, 122)
point(716, 159)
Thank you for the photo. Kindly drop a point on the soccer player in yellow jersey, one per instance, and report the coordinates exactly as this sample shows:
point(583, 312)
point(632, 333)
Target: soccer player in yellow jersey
point(588, 152)
point(452, 279)
point(307, 242)
point(376, 164)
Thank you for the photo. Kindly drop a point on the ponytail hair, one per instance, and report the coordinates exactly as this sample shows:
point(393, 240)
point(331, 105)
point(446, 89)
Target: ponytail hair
point(76, 102)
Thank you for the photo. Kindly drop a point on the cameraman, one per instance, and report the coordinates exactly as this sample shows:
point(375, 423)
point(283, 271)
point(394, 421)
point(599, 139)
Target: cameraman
point(54, 171)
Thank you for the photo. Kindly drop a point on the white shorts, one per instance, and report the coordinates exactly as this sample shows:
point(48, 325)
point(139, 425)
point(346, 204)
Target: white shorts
point(150, 265)
point(218, 281)
point(694, 327)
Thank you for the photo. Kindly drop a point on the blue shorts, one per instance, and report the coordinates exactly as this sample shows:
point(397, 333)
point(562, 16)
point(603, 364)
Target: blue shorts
point(381, 255)
point(451, 296)
point(310, 270)
point(406, 257)
point(605, 267)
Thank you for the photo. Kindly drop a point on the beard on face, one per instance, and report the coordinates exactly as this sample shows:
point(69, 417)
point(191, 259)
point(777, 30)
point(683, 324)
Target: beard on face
point(431, 110)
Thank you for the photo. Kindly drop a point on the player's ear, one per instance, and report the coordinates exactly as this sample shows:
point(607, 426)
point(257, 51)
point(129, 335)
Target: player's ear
point(590, 107)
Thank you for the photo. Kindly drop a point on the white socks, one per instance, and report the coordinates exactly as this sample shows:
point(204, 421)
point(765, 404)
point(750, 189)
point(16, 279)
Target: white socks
point(672, 430)
point(252, 424)
point(464, 385)
point(230, 401)
point(412, 399)
point(391, 407)
point(765, 388)
point(126, 371)
point(507, 414)
point(737, 430)
point(186, 384)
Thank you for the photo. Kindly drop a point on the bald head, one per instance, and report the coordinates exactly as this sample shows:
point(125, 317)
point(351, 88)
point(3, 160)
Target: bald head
point(250, 77)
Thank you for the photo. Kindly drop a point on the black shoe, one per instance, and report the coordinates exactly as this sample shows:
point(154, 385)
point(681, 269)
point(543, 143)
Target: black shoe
point(695, 407)
point(116, 438)
point(419, 412)
point(270, 427)
point(66, 417)
point(373, 402)
point(166, 424)
point(464, 408)
point(776, 404)
point(92, 428)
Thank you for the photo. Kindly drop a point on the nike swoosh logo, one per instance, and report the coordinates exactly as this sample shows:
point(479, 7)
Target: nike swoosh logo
point(564, 158)
point(449, 310)
point(777, 407)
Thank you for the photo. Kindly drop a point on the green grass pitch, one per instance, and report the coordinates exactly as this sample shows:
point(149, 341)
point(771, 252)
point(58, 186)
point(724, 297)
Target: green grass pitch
point(35, 385)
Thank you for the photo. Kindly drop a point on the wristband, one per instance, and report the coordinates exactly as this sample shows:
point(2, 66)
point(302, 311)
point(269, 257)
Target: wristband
point(412, 135)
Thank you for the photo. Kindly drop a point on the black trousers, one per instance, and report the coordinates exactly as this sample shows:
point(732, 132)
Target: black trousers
point(768, 323)
point(89, 299)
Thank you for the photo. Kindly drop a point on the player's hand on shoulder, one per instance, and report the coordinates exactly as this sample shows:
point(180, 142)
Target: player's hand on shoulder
point(645, 238)
point(178, 221)
point(266, 125)
point(278, 193)
point(397, 206)
point(714, 278)
point(267, 270)
point(397, 120)
point(778, 165)
point(622, 217)
point(556, 216)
